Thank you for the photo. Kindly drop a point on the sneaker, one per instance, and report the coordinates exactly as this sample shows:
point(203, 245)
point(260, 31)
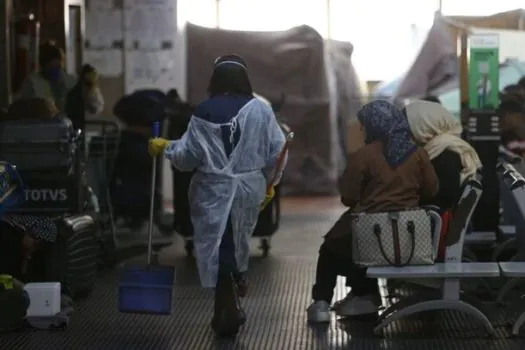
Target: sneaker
point(353, 305)
point(319, 312)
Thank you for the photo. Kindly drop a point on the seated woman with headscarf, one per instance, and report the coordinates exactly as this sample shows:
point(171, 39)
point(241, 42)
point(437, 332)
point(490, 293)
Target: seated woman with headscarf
point(391, 172)
point(454, 160)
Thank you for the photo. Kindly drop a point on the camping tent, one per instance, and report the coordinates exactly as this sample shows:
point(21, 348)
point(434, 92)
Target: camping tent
point(317, 79)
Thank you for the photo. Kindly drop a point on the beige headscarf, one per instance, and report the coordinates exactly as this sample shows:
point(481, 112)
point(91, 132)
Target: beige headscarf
point(434, 127)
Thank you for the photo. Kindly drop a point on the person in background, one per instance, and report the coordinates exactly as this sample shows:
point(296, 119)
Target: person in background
point(131, 178)
point(453, 159)
point(512, 119)
point(84, 97)
point(52, 82)
point(31, 108)
point(233, 142)
point(391, 172)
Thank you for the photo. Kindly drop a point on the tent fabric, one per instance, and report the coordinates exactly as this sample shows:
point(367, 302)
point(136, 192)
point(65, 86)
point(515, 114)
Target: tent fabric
point(349, 97)
point(295, 62)
point(435, 64)
point(387, 88)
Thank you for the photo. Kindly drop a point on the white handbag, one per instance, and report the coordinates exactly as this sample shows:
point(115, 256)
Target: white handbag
point(393, 238)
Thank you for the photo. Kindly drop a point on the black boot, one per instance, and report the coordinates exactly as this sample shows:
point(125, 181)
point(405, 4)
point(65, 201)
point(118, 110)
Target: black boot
point(242, 285)
point(228, 316)
point(236, 290)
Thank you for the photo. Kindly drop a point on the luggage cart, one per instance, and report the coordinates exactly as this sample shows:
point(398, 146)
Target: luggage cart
point(101, 141)
point(119, 241)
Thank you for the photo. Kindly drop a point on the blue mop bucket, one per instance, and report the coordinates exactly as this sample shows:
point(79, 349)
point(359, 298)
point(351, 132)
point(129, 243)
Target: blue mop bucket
point(147, 289)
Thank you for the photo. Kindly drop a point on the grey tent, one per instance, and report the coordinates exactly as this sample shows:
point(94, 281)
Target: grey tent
point(317, 79)
point(435, 65)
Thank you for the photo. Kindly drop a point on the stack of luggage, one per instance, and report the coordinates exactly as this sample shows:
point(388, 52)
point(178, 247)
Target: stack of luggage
point(50, 237)
point(130, 186)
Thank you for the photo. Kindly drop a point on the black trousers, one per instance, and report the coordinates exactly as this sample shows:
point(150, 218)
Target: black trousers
point(332, 263)
point(227, 260)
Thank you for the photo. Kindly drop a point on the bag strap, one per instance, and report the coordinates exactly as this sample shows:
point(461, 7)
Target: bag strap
point(411, 228)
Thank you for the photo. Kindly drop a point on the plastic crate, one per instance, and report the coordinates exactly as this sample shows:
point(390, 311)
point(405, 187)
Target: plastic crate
point(146, 289)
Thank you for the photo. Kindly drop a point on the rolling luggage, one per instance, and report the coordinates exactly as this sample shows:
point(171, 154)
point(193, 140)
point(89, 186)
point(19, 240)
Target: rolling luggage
point(268, 222)
point(38, 144)
point(73, 258)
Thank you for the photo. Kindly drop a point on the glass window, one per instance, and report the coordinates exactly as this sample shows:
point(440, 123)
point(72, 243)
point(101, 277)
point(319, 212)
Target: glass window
point(200, 12)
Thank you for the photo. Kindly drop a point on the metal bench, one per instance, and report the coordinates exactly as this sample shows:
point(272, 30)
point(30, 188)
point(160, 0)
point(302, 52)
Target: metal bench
point(449, 272)
point(513, 193)
point(514, 270)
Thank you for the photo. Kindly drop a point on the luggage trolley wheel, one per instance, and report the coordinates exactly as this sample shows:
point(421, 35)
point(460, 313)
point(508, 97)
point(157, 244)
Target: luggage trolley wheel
point(188, 247)
point(265, 246)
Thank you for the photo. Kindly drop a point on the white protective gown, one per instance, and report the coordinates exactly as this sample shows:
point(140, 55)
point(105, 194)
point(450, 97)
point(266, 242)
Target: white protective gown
point(223, 185)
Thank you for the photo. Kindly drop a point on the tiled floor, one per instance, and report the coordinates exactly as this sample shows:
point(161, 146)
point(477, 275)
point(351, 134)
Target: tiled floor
point(279, 294)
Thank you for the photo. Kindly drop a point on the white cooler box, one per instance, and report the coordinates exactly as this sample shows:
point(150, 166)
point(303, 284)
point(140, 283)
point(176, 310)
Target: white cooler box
point(44, 299)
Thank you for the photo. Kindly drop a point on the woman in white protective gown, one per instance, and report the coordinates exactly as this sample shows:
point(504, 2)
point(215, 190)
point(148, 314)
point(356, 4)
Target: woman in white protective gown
point(233, 142)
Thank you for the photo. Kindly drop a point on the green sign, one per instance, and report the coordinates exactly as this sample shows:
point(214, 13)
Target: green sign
point(483, 71)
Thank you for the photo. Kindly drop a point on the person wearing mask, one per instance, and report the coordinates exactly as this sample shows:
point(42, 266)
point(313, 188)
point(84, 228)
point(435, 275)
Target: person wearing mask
point(52, 82)
point(453, 159)
point(233, 142)
point(391, 172)
point(512, 119)
point(84, 98)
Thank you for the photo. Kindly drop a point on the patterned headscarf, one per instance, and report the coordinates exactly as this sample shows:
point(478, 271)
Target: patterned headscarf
point(385, 122)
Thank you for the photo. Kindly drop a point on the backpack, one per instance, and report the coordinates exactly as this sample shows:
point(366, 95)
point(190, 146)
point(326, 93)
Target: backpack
point(12, 191)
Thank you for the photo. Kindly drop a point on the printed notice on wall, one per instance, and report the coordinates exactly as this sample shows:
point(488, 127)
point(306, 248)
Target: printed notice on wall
point(150, 24)
point(107, 62)
point(103, 28)
point(149, 70)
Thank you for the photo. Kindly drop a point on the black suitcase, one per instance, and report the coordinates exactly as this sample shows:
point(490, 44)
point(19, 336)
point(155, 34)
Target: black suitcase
point(38, 144)
point(268, 222)
point(73, 258)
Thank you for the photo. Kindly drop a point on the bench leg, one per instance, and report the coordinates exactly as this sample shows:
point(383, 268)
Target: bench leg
point(408, 301)
point(517, 325)
point(436, 305)
point(507, 287)
point(509, 244)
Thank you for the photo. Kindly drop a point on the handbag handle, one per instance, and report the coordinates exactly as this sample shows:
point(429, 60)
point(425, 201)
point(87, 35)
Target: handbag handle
point(411, 230)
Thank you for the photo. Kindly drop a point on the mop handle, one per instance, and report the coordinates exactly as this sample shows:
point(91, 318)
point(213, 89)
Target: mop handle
point(155, 132)
point(280, 161)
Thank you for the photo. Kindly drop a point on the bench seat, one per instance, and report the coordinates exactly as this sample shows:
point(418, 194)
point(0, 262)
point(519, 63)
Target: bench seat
point(480, 237)
point(438, 270)
point(507, 230)
point(512, 268)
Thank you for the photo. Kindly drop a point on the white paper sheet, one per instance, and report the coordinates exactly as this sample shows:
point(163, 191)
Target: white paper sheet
point(149, 69)
point(107, 62)
point(149, 23)
point(103, 27)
